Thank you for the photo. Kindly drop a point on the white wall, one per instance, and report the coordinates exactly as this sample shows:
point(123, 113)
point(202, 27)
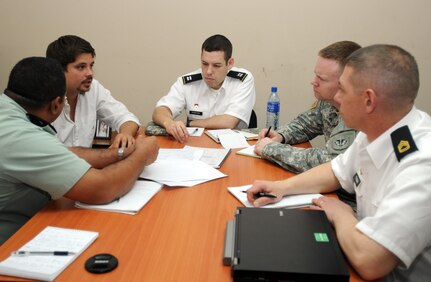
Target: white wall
point(142, 46)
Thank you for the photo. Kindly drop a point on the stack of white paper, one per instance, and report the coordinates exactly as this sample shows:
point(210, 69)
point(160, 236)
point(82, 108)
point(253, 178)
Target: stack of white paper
point(292, 201)
point(132, 202)
point(211, 156)
point(180, 172)
point(233, 141)
point(47, 267)
point(249, 151)
point(229, 138)
point(175, 154)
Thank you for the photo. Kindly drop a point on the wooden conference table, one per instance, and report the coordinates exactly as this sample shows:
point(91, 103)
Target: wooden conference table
point(177, 236)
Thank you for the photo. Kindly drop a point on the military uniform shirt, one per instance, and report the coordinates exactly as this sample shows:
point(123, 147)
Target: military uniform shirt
point(394, 196)
point(97, 103)
point(236, 97)
point(323, 119)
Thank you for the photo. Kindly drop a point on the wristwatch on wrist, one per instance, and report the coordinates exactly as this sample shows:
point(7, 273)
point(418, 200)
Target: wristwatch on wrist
point(120, 153)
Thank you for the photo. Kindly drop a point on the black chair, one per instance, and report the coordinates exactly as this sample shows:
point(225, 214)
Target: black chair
point(253, 120)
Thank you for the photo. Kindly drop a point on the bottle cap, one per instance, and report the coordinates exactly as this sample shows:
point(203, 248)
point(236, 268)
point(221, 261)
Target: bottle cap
point(274, 89)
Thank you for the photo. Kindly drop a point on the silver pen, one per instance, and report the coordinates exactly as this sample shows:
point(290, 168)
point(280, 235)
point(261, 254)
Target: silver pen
point(42, 253)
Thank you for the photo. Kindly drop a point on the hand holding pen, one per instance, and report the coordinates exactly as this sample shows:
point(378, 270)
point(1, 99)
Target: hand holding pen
point(263, 193)
point(267, 133)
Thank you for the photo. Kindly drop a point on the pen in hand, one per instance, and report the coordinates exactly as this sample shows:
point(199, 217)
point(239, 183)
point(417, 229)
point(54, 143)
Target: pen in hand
point(263, 194)
point(267, 133)
point(38, 253)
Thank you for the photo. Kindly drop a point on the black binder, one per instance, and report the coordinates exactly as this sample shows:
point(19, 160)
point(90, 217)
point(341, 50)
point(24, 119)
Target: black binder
point(283, 245)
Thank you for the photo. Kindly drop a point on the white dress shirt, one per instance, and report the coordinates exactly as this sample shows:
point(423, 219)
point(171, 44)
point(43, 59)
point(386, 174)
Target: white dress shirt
point(97, 103)
point(394, 197)
point(235, 97)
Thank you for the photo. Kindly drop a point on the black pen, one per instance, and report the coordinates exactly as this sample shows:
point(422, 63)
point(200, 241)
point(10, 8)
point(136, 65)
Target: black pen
point(267, 133)
point(263, 194)
point(37, 253)
point(194, 131)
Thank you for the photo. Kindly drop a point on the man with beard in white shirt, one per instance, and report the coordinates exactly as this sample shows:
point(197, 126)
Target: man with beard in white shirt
point(87, 99)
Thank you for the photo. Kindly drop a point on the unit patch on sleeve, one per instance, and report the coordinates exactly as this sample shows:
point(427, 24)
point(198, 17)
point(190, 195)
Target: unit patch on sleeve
point(237, 74)
point(191, 77)
point(403, 142)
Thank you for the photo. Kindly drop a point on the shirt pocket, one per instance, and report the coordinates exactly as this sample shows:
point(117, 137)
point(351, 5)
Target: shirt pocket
point(88, 129)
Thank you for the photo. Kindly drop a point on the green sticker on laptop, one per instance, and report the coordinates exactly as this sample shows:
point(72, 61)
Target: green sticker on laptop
point(321, 237)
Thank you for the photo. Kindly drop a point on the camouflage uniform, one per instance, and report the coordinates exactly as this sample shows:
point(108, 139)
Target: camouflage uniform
point(154, 129)
point(321, 119)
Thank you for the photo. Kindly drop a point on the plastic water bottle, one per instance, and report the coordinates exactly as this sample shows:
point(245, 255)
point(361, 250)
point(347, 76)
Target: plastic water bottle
point(273, 109)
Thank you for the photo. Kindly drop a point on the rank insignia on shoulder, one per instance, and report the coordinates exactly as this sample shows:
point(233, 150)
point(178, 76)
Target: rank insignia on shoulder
point(237, 74)
point(403, 142)
point(191, 77)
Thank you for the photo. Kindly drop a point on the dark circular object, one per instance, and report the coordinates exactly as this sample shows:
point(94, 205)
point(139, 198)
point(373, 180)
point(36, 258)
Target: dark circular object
point(101, 263)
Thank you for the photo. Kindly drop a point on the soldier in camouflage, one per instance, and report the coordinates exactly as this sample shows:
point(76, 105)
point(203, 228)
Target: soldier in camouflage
point(322, 119)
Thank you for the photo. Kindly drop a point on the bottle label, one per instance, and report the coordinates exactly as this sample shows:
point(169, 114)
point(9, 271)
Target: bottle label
point(273, 107)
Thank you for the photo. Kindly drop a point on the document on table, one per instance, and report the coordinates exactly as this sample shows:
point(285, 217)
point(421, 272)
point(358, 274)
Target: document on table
point(292, 201)
point(195, 131)
point(233, 141)
point(132, 202)
point(215, 133)
point(248, 151)
point(211, 156)
point(229, 138)
point(248, 135)
point(180, 172)
point(48, 267)
point(175, 154)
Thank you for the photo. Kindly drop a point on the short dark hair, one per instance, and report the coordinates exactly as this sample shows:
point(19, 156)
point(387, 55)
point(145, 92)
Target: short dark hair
point(339, 51)
point(67, 48)
point(36, 81)
point(391, 70)
point(218, 43)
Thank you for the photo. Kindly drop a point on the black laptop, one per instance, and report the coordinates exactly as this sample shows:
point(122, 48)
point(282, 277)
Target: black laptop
point(284, 245)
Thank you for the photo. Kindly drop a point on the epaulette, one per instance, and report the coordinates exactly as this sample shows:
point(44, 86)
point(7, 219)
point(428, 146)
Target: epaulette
point(237, 74)
point(403, 142)
point(191, 77)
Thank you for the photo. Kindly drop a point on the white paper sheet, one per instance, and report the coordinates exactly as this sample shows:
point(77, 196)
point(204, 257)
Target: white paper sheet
point(293, 201)
point(233, 140)
point(174, 154)
point(249, 151)
point(48, 267)
point(132, 202)
point(195, 131)
point(180, 172)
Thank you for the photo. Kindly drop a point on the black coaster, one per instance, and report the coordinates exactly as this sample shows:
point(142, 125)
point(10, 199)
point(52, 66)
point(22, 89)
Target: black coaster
point(101, 263)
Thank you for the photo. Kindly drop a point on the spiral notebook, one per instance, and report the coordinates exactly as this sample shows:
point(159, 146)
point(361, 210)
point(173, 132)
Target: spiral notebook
point(47, 267)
